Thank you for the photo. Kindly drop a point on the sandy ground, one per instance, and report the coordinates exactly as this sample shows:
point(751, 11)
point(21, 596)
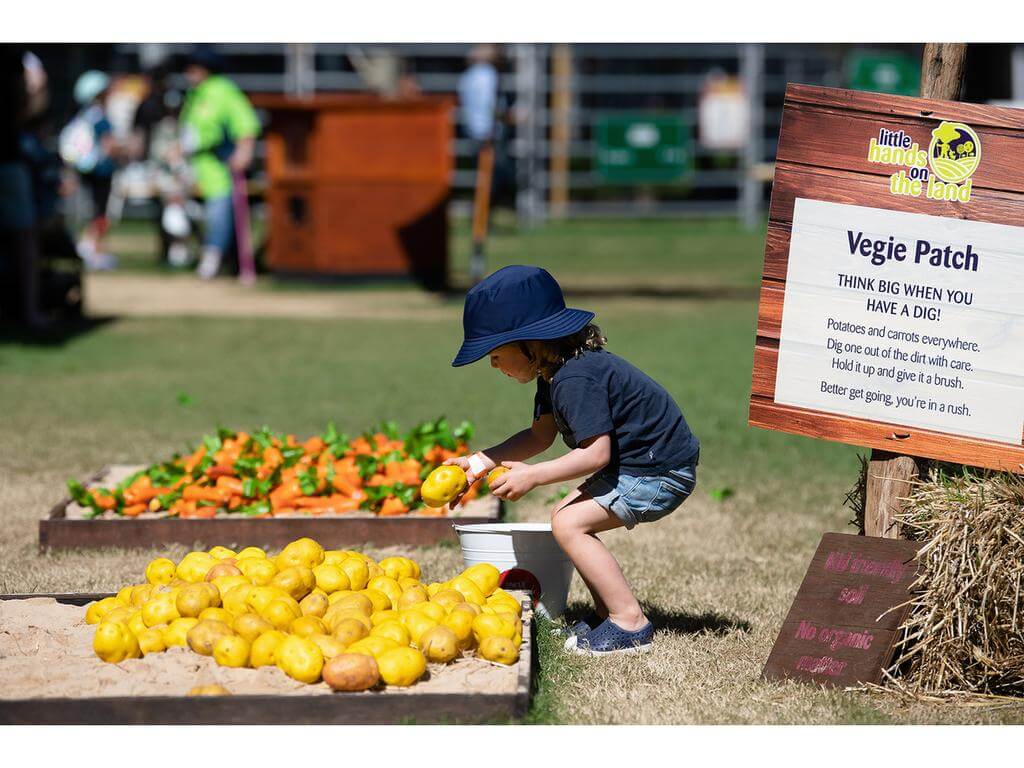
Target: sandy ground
point(46, 651)
point(130, 294)
point(139, 295)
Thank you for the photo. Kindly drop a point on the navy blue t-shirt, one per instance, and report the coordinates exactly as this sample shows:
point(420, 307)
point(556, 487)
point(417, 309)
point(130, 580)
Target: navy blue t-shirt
point(598, 392)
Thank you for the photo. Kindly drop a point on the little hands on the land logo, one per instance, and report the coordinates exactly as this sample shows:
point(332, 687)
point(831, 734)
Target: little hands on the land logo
point(955, 152)
point(942, 172)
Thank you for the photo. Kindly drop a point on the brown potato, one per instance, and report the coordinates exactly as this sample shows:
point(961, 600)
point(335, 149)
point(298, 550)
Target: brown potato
point(204, 635)
point(351, 672)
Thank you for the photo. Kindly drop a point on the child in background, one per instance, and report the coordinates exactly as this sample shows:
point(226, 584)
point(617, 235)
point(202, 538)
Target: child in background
point(623, 429)
point(89, 146)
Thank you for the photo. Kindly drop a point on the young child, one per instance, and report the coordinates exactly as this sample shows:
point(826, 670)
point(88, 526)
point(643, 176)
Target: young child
point(624, 430)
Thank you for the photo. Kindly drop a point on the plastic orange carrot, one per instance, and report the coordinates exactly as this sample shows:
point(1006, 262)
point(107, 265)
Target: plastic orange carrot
point(432, 511)
point(221, 470)
point(133, 510)
point(104, 500)
point(231, 484)
point(195, 458)
point(216, 495)
point(393, 506)
point(183, 508)
point(285, 493)
point(314, 445)
point(343, 485)
point(361, 446)
point(434, 455)
point(200, 512)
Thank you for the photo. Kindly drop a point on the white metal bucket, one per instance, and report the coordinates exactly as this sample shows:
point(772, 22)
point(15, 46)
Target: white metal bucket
point(527, 550)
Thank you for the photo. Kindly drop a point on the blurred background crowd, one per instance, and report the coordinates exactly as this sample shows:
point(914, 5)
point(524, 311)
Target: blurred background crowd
point(179, 139)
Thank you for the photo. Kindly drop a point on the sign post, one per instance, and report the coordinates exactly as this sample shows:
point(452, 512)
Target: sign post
point(890, 476)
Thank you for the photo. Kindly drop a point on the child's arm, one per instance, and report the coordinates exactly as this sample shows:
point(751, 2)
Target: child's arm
point(593, 454)
point(522, 445)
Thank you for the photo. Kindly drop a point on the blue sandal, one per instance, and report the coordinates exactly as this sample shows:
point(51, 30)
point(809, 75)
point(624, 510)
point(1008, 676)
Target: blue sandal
point(581, 627)
point(608, 638)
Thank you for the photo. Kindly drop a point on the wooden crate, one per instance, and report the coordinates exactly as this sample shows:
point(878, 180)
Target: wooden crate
point(57, 531)
point(358, 185)
point(367, 708)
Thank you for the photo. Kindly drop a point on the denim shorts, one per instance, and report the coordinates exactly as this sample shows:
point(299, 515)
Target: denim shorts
point(641, 499)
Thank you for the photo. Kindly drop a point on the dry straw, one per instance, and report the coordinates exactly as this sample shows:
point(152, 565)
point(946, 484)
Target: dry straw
point(965, 630)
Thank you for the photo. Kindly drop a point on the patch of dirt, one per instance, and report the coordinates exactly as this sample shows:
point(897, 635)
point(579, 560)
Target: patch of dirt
point(46, 652)
point(113, 294)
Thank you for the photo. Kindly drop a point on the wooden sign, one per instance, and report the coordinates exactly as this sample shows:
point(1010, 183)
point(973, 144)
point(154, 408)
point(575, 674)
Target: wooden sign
point(890, 313)
point(840, 630)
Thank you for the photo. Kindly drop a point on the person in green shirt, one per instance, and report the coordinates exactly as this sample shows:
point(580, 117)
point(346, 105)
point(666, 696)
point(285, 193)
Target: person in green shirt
point(219, 129)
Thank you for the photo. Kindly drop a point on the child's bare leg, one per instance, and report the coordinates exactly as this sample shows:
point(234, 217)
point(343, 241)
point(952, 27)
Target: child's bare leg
point(599, 607)
point(575, 526)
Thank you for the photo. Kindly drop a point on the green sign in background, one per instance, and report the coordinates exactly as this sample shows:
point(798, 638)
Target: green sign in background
point(641, 147)
point(884, 72)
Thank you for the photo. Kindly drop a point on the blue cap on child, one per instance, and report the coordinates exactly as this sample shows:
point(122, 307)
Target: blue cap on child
point(516, 303)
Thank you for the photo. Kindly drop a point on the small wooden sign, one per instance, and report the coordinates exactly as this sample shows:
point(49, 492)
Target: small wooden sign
point(890, 298)
point(841, 630)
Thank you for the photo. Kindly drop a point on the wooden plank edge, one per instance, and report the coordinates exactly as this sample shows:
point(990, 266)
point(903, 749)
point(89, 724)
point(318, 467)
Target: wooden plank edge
point(844, 99)
point(335, 709)
point(67, 598)
point(525, 665)
point(864, 433)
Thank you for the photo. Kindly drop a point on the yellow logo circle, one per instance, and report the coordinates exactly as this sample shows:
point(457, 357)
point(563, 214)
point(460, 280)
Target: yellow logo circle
point(954, 152)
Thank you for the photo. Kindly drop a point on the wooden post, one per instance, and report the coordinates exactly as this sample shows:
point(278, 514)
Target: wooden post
point(890, 475)
point(942, 70)
point(561, 105)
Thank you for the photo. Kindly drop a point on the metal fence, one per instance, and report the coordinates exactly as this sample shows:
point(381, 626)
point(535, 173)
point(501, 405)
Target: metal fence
point(595, 80)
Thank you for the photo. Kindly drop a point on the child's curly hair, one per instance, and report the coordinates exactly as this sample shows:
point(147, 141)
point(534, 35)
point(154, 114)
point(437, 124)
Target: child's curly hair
point(548, 355)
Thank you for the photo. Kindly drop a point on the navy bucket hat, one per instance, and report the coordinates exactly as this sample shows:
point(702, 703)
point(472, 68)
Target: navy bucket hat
point(516, 303)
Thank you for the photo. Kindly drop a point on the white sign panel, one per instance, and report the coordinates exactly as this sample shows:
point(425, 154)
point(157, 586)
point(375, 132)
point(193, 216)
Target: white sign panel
point(905, 318)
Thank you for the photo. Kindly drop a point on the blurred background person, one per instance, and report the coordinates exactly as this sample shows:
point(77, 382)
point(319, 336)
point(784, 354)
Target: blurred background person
point(89, 146)
point(219, 129)
point(485, 115)
point(19, 254)
point(156, 131)
point(58, 264)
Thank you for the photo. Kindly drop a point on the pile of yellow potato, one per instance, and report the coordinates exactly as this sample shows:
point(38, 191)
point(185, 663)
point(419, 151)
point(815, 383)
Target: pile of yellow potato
point(335, 615)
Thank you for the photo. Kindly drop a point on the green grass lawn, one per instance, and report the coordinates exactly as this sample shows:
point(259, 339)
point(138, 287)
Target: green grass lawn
point(718, 576)
point(699, 254)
